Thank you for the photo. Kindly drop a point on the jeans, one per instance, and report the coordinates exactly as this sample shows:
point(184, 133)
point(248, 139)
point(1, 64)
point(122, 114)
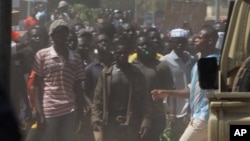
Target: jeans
point(60, 128)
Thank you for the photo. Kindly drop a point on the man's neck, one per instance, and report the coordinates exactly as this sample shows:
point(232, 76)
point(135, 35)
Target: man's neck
point(105, 59)
point(123, 66)
point(205, 54)
point(61, 51)
point(182, 56)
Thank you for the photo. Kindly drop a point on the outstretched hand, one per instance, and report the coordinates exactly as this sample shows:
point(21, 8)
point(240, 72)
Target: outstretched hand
point(143, 132)
point(159, 94)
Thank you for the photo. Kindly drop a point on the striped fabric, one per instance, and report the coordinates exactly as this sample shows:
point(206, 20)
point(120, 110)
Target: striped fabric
point(59, 76)
point(198, 100)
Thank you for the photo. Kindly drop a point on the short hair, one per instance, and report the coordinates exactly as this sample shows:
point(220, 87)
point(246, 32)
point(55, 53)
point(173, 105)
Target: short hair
point(106, 28)
point(210, 32)
point(153, 29)
point(122, 40)
point(86, 34)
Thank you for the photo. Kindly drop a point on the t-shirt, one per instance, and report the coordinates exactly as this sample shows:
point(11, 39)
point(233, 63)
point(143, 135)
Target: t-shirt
point(59, 76)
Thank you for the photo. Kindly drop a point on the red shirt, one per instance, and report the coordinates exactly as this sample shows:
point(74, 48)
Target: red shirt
point(29, 22)
point(14, 35)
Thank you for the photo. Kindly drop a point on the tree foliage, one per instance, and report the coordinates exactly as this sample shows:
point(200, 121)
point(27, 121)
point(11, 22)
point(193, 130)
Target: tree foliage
point(86, 14)
point(85, 10)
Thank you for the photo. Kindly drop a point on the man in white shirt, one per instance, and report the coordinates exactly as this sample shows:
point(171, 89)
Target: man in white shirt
point(180, 63)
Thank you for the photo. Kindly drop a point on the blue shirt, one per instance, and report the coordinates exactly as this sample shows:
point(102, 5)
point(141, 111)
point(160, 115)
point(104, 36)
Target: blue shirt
point(198, 101)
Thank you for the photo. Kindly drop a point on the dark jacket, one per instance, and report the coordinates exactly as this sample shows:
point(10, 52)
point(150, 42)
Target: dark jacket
point(140, 107)
point(92, 71)
point(157, 76)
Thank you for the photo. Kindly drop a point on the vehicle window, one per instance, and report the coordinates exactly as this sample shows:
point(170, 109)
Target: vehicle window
point(168, 25)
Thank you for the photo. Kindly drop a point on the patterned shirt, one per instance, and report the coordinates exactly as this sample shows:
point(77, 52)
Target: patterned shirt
point(59, 76)
point(198, 100)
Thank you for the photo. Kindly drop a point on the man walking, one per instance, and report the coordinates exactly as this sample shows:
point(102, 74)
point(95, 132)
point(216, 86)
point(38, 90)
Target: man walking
point(58, 94)
point(180, 63)
point(197, 128)
point(121, 109)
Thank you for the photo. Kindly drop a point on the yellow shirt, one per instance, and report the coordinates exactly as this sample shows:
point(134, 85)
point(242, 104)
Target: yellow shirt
point(133, 56)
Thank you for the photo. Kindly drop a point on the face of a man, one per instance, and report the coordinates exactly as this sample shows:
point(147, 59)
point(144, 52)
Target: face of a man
point(35, 37)
point(145, 49)
point(40, 7)
point(128, 31)
point(121, 54)
point(201, 41)
point(72, 41)
point(142, 46)
point(83, 46)
point(178, 44)
point(103, 43)
point(155, 39)
point(63, 9)
point(77, 28)
point(60, 36)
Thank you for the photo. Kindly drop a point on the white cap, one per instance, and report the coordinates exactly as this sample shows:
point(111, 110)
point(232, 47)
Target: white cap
point(178, 33)
point(62, 4)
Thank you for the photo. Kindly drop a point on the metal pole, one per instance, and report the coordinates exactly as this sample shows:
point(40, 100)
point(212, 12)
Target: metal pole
point(217, 10)
point(135, 8)
point(28, 9)
point(153, 13)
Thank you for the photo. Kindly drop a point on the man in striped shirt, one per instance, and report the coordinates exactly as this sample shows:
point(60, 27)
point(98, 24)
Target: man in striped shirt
point(58, 94)
point(197, 128)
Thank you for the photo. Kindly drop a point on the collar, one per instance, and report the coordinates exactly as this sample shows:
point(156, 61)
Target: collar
point(96, 62)
point(212, 55)
point(53, 54)
point(108, 70)
point(174, 55)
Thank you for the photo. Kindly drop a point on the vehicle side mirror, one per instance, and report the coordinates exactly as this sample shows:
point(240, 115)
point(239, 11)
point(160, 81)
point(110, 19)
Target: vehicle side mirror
point(208, 73)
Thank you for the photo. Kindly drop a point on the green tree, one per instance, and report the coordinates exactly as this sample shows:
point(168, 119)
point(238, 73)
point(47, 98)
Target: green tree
point(86, 14)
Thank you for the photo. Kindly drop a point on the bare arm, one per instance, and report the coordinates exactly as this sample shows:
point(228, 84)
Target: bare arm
point(38, 95)
point(79, 98)
point(162, 93)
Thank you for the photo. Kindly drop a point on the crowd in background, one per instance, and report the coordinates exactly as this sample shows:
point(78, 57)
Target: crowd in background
point(72, 81)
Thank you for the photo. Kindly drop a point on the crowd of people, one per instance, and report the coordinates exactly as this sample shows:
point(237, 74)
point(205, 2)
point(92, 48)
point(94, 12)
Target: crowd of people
point(111, 81)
